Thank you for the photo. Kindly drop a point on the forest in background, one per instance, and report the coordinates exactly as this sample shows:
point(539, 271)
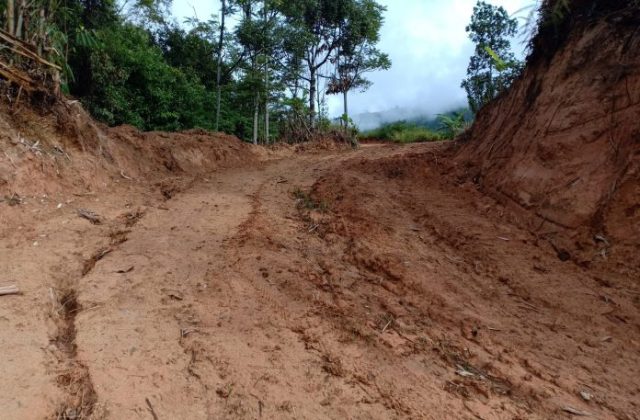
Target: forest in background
point(261, 71)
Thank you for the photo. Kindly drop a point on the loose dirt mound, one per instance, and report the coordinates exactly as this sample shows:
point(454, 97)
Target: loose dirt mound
point(564, 142)
point(43, 154)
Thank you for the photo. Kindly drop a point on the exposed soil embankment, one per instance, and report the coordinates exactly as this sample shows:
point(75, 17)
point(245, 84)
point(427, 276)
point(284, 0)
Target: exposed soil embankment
point(564, 142)
point(44, 154)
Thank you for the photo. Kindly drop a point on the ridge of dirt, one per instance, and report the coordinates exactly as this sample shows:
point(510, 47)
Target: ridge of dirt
point(66, 149)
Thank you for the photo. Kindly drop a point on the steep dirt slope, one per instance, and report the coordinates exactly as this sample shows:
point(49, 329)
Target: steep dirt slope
point(564, 142)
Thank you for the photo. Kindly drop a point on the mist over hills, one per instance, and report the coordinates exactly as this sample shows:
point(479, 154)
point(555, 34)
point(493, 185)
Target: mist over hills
point(372, 120)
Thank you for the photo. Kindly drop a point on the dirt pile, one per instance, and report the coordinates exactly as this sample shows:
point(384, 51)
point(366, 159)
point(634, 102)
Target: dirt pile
point(45, 154)
point(564, 142)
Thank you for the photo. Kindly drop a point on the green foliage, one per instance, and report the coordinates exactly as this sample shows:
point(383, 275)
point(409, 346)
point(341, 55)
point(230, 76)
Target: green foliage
point(402, 132)
point(133, 84)
point(493, 66)
point(452, 125)
point(129, 62)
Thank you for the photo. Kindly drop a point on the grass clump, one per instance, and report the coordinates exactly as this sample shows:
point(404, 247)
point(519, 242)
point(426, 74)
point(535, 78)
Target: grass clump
point(304, 200)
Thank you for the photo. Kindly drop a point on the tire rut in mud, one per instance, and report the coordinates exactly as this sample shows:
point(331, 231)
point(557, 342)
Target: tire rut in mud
point(73, 377)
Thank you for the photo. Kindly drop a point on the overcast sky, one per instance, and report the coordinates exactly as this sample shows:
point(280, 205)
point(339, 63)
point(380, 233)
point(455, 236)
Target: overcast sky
point(427, 44)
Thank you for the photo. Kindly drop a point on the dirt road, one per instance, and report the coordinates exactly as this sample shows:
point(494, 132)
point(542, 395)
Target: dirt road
point(361, 284)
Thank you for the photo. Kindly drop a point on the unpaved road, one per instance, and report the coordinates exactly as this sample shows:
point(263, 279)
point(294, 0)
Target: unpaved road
point(386, 292)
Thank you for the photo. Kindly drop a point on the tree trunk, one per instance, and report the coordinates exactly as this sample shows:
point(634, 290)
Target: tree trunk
point(312, 96)
point(266, 103)
point(18, 28)
point(256, 110)
point(319, 94)
point(10, 16)
point(266, 78)
point(219, 70)
point(345, 115)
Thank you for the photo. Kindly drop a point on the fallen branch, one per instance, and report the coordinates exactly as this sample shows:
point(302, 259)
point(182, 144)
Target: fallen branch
point(151, 410)
point(9, 290)
point(24, 49)
point(575, 412)
point(90, 216)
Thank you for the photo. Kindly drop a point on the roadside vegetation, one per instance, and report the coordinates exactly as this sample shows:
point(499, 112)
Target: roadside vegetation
point(444, 127)
point(402, 132)
point(261, 69)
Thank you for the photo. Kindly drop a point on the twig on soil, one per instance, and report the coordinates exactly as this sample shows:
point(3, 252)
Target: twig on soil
point(575, 412)
point(124, 176)
point(9, 290)
point(151, 410)
point(90, 216)
point(387, 326)
point(260, 404)
point(529, 305)
point(186, 331)
point(10, 160)
point(464, 373)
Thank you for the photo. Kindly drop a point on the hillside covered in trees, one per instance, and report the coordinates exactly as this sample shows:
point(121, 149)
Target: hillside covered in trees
point(157, 264)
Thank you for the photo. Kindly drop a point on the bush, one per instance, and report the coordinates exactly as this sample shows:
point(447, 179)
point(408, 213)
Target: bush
point(402, 132)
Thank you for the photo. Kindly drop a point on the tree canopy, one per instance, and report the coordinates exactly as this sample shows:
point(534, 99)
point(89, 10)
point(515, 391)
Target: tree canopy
point(493, 67)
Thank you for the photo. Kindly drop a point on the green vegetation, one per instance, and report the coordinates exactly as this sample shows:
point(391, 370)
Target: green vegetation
point(265, 78)
point(402, 132)
point(422, 129)
point(493, 66)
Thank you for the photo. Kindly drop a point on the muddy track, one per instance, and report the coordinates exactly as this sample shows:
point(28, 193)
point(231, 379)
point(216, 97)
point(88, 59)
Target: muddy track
point(319, 286)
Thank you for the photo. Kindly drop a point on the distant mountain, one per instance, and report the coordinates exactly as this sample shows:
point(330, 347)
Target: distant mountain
point(371, 120)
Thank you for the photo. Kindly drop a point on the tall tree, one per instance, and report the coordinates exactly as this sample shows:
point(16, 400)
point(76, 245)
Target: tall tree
point(493, 67)
point(267, 39)
point(250, 36)
point(223, 14)
point(317, 23)
point(350, 71)
point(357, 54)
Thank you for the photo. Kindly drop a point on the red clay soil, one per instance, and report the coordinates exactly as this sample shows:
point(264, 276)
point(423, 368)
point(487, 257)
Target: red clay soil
point(344, 284)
